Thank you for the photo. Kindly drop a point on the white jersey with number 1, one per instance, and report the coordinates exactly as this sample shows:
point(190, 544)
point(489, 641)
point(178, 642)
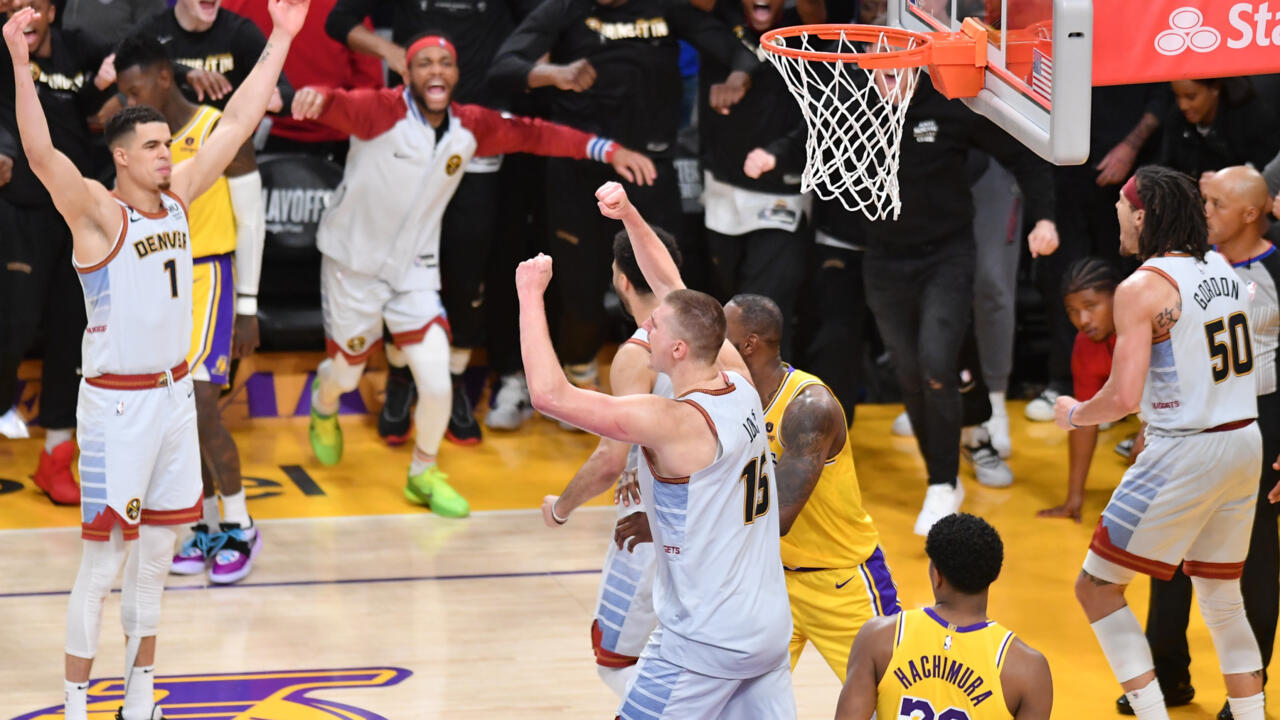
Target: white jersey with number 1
point(720, 595)
point(1201, 373)
point(138, 298)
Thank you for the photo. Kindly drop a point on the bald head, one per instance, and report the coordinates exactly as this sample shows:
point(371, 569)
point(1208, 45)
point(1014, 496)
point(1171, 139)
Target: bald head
point(754, 324)
point(1235, 207)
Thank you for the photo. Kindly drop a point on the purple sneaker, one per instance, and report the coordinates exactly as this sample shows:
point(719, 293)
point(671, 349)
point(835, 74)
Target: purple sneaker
point(193, 558)
point(234, 559)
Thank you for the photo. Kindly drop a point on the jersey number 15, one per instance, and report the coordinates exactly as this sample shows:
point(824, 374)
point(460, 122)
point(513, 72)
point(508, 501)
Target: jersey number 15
point(1232, 354)
point(755, 501)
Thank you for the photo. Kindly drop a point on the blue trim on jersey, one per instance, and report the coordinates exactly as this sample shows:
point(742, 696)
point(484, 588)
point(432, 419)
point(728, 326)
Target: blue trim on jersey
point(93, 492)
point(1004, 645)
point(651, 691)
point(671, 510)
point(966, 629)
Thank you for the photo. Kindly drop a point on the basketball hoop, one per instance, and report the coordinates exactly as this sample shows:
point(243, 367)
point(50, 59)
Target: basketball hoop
point(854, 84)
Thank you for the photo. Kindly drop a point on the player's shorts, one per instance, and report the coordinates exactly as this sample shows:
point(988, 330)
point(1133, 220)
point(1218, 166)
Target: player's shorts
point(829, 607)
point(624, 605)
point(213, 318)
point(1187, 499)
point(662, 690)
point(355, 306)
point(139, 452)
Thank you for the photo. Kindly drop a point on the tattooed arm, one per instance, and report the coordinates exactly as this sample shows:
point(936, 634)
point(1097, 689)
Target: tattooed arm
point(812, 431)
point(1146, 308)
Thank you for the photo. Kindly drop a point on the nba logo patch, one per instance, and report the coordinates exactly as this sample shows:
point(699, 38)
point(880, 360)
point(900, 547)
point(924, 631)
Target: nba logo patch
point(455, 162)
point(282, 695)
point(120, 408)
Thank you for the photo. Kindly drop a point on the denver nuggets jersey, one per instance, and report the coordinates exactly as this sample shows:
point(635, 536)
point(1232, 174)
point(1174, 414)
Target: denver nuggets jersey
point(833, 530)
point(942, 671)
point(138, 298)
point(719, 593)
point(1201, 373)
point(213, 222)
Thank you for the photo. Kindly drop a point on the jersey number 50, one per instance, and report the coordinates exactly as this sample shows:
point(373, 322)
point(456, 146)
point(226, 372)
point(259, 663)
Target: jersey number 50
point(1233, 354)
point(920, 709)
point(755, 501)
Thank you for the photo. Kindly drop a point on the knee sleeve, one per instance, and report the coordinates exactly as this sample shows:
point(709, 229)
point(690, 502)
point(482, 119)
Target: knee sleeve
point(429, 363)
point(1124, 645)
point(1222, 607)
point(144, 576)
point(336, 376)
point(618, 679)
point(99, 565)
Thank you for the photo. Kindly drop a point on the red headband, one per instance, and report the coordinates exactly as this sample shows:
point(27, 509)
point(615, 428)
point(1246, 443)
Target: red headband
point(1130, 191)
point(430, 41)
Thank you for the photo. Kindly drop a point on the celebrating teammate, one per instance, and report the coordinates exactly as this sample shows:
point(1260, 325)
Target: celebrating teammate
point(1184, 355)
point(227, 234)
point(948, 661)
point(381, 237)
point(139, 464)
point(720, 646)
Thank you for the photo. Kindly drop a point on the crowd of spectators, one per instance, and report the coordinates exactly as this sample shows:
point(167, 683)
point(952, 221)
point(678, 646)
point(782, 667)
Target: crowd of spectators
point(927, 309)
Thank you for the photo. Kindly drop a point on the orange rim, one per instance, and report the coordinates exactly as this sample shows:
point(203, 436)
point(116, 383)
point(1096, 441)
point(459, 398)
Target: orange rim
point(905, 56)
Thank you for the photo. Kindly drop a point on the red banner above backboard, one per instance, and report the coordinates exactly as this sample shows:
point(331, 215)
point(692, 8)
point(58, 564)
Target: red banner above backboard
point(1154, 41)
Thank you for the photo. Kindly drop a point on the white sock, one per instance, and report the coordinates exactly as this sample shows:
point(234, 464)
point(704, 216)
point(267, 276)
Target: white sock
point(997, 403)
point(76, 699)
point(233, 509)
point(211, 516)
point(55, 437)
point(1248, 708)
point(1148, 702)
point(974, 436)
point(140, 697)
point(419, 462)
point(459, 359)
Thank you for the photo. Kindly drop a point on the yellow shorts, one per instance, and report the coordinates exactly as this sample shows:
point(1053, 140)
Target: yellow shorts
point(213, 318)
point(829, 607)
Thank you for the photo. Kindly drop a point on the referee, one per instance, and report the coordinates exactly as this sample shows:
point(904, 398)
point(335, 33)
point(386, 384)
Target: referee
point(616, 65)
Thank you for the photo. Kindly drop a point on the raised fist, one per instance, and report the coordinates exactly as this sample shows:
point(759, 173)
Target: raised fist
point(612, 200)
point(533, 275)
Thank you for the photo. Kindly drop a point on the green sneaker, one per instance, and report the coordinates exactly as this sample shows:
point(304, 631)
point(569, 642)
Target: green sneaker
point(431, 488)
point(326, 437)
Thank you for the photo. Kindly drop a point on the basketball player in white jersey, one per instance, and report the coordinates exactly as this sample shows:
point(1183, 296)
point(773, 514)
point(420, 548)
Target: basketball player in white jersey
point(724, 624)
point(139, 461)
point(1184, 357)
point(624, 615)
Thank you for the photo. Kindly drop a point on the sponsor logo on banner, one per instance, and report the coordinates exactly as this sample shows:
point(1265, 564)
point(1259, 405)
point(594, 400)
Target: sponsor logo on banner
point(285, 695)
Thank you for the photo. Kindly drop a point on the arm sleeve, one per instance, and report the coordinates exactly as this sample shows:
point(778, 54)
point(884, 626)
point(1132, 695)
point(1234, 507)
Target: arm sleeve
point(1035, 176)
point(500, 133)
point(364, 113)
point(251, 234)
point(532, 38)
point(709, 35)
point(345, 15)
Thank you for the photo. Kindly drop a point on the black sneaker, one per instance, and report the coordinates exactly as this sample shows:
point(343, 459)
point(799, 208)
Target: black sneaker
point(1225, 712)
point(395, 421)
point(156, 714)
point(463, 428)
point(1177, 696)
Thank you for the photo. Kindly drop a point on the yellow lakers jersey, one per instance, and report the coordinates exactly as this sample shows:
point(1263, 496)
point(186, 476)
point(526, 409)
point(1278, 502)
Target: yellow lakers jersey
point(213, 222)
point(939, 670)
point(833, 530)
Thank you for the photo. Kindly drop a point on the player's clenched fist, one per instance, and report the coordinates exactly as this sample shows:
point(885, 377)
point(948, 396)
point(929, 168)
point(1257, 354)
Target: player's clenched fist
point(533, 275)
point(308, 103)
point(1062, 408)
point(613, 201)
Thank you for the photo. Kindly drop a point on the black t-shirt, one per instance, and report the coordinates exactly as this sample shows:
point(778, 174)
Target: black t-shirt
point(636, 96)
point(476, 27)
point(64, 83)
point(764, 115)
point(231, 46)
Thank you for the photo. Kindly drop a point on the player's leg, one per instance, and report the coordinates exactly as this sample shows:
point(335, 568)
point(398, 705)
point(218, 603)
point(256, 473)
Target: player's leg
point(140, 601)
point(977, 444)
point(1216, 560)
point(100, 562)
point(1261, 580)
point(417, 324)
point(466, 241)
point(352, 304)
point(395, 419)
point(767, 697)
point(1168, 611)
point(63, 324)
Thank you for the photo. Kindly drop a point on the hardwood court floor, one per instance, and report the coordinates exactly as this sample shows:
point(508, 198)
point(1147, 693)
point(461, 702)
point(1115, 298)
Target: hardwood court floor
point(363, 606)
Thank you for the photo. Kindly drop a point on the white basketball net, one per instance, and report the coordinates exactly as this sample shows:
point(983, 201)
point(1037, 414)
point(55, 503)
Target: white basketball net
point(855, 129)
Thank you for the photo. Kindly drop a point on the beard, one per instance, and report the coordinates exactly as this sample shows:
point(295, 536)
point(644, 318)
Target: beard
point(163, 184)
